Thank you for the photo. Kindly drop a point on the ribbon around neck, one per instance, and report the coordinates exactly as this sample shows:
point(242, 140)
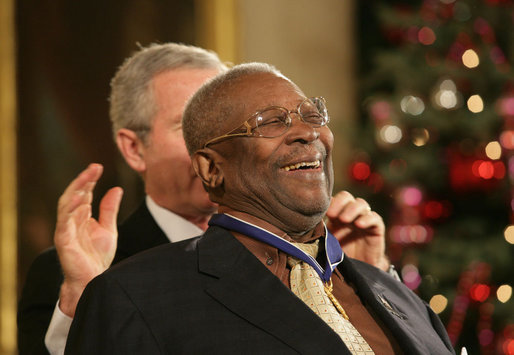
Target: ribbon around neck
point(333, 251)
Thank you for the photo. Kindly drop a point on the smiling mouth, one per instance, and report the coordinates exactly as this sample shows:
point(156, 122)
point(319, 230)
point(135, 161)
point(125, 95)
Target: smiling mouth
point(304, 165)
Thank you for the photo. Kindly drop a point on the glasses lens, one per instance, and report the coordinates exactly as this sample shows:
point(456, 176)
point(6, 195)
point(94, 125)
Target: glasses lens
point(314, 111)
point(272, 122)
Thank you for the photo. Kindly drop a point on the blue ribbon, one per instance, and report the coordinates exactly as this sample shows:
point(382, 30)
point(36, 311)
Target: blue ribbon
point(334, 254)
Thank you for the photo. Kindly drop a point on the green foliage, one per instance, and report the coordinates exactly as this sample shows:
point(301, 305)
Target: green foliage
point(398, 65)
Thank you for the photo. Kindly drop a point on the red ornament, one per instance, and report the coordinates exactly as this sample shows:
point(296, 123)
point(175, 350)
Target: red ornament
point(508, 347)
point(360, 171)
point(376, 182)
point(426, 36)
point(479, 292)
point(433, 209)
point(469, 173)
point(499, 170)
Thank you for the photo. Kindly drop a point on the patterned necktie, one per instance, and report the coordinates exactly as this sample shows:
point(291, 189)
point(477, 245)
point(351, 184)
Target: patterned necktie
point(307, 285)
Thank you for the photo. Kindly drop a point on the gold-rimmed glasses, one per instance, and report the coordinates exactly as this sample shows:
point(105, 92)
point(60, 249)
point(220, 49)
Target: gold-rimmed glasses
point(274, 121)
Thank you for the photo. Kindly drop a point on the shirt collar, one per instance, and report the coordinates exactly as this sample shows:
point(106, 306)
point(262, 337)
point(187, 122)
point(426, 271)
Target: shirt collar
point(319, 230)
point(333, 254)
point(174, 226)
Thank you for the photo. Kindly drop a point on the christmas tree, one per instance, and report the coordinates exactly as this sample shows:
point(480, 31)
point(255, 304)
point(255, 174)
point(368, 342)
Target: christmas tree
point(435, 156)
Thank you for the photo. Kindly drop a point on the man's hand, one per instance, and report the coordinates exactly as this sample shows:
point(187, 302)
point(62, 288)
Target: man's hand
point(85, 246)
point(360, 231)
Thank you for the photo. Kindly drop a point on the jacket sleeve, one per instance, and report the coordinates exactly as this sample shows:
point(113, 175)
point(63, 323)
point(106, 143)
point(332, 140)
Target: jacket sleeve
point(439, 328)
point(37, 302)
point(107, 322)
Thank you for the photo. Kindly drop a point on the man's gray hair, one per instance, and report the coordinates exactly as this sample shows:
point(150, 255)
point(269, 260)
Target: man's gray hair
point(132, 102)
point(211, 105)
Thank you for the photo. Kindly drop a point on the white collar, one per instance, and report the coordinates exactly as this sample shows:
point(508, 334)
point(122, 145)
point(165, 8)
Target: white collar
point(174, 226)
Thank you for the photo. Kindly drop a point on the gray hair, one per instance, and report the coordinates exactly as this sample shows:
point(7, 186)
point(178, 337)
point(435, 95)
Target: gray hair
point(132, 103)
point(212, 104)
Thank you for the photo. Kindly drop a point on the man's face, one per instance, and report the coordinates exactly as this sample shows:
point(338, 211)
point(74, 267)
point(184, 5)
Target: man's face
point(260, 175)
point(169, 177)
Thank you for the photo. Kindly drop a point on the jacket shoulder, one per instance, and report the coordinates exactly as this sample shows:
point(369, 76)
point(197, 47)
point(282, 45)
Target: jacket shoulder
point(137, 233)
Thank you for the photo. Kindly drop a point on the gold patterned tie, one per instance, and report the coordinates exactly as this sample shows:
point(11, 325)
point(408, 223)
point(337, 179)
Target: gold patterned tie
point(307, 285)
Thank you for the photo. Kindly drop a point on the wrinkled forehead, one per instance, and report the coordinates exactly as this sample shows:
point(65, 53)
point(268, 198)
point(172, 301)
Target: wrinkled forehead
point(267, 86)
point(258, 91)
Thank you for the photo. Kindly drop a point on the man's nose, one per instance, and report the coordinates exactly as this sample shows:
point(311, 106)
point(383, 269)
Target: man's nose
point(301, 131)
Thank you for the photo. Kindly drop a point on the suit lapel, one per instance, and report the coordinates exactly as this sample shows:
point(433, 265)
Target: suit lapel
point(248, 289)
point(376, 296)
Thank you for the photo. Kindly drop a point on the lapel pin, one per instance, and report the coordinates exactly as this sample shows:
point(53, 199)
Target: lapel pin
point(386, 304)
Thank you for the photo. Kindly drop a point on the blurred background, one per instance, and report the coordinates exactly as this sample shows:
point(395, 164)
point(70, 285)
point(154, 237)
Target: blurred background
point(421, 97)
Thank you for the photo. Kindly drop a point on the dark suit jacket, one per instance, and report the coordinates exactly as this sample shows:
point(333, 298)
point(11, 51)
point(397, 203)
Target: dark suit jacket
point(210, 295)
point(44, 279)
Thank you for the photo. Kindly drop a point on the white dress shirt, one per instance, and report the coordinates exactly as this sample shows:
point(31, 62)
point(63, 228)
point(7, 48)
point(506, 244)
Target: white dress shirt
point(174, 227)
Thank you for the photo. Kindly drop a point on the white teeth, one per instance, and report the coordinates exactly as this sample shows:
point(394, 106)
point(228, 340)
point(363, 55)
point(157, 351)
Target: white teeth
point(313, 164)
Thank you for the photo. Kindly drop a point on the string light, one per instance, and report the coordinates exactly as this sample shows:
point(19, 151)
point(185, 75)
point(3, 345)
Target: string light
point(438, 303)
point(486, 170)
point(434, 209)
point(506, 106)
point(360, 171)
point(380, 110)
point(391, 134)
point(446, 99)
point(412, 105)
point(447, 95)
point(479, 292)
point(411, 196)
point(470, 59)
point(509, 234)
point(448, 84)
point(504, 293)
point(410, 276)
point(420, 136)
point(411, 234)
point(426, 36)
point(493, 150)
point(485, 336)
point(508, 347)
point(499, 170)
point(475, 104)
point(507, 139)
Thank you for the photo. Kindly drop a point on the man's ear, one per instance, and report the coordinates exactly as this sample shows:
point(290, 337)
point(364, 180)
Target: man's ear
point(132, 149)
point(206, 168)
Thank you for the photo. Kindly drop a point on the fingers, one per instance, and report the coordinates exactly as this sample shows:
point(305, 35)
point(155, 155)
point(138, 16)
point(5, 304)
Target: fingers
point(346, 209)
point(354, 209)
point(79, 191)
point(341, 199)
point(67, 229)
point(109, 207)
point(371, 220)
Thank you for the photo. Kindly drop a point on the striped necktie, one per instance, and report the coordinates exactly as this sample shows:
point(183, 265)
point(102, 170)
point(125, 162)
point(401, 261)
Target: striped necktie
point(307, 285)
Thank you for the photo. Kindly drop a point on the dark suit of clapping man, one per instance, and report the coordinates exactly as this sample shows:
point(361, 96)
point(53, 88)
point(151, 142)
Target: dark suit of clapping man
point(263, 152)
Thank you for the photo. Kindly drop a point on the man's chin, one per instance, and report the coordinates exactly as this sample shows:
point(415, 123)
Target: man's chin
point(310, 206)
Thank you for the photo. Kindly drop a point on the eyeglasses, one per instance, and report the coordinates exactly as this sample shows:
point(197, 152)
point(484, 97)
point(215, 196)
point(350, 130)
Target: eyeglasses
point(274, 121)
